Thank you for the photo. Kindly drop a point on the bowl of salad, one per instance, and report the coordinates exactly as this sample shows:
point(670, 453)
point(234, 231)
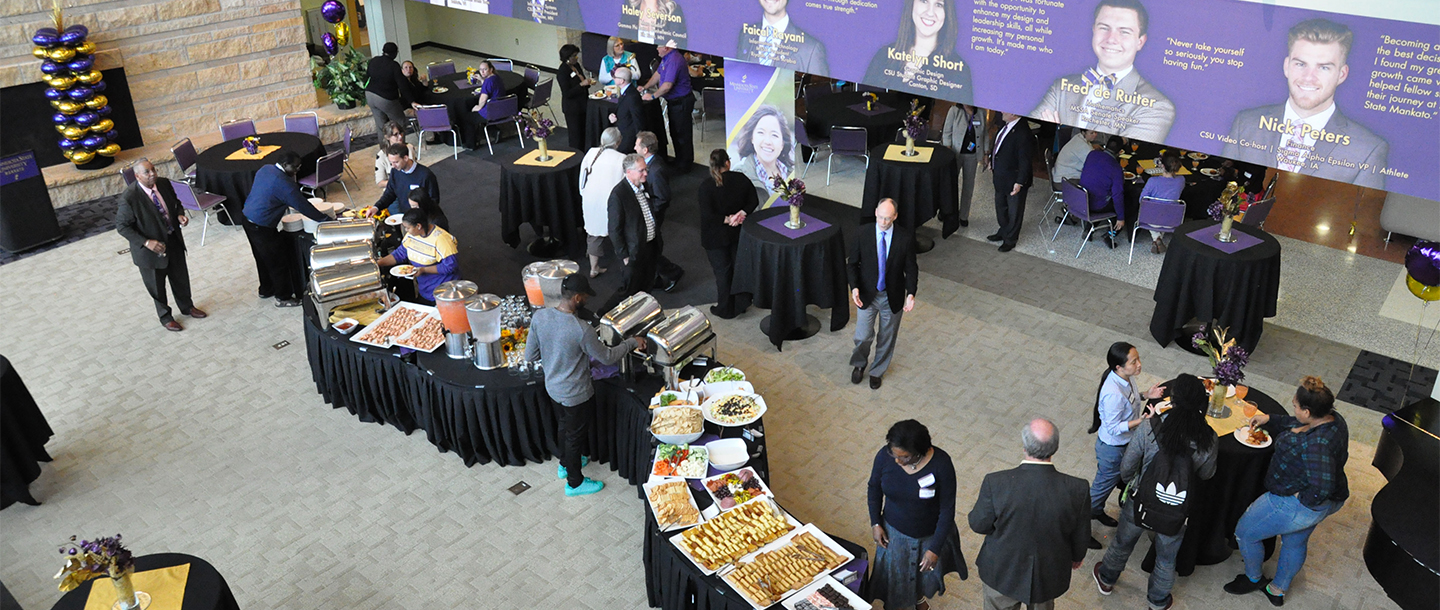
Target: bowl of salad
point(688, 461)
point(724, 373)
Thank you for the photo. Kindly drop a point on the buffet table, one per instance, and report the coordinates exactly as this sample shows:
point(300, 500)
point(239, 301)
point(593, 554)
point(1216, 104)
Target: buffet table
point(23, 434)
point(234, 177)
point(784, 275)
point(1199, 281)
point(546, 197)
point(920, 190)
point(204, 587)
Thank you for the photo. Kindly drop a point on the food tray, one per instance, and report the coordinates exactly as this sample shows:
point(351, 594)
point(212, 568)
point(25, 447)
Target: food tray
point(658, 481)
point(677, 439)
point(693, 448)
point(675, 540)
point(422, 309)
point(782, 541)
point(715, 400)
point(766, 488)
point(1242, 434)
point(723, 368)
point(404, 340)
point(688, 395)
point(790, 603)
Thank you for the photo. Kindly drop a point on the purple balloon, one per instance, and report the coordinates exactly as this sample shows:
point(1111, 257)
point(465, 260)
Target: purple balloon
point(59, 118)
point(87, 118)
point(98, 87)
point(81, 94)
point(332, 46)
point(112, 135)
point(103, 110)
point(1423, 262)
point(80, 29)
point(74, 35)
point(333, 11)
point(81, 63)
point(50, 67)
point(93, 142)
point(46, 37)
point(54, 94)
point(67, 144)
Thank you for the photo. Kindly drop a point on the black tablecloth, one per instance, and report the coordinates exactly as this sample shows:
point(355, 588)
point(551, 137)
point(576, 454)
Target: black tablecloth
point(834, 110)
point(545, 197)
point(784, 275)
point(459, 101)
point(597, 118)
point(700, 83)
point(205, 588)
point(1199, 282)
point(920, 190)
point(23, 434)
point(233, 179)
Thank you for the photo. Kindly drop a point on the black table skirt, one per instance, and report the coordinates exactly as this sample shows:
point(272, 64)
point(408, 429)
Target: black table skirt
point(233, 179)
point(1199, 282)
point(205, 588)
point(834, 110)
point(545, 197)
point(597, 118)
point(785, 275)
point(920, 190)
point(459, 101)
point(23, 434)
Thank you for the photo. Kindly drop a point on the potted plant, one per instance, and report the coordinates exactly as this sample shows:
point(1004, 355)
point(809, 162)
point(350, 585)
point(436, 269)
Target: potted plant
point(343, 77)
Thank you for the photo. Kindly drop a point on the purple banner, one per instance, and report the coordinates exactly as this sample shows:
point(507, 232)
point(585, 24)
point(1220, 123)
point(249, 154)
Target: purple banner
point(759, 124)
point(17, 167)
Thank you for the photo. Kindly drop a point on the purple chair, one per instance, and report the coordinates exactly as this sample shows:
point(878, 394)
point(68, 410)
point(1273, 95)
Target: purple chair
point(711, 98)
point(532, 76)
point(303, 122)
point(202, 202)
point(541, 97)
point(854, 141)
point(502, 64)
point(239, 128)
point(328, 170)
point(185, 157)
point(434, 70)
point(1077, 204)
point(1157, 216)
point(1256, 214)
point(499, 111)
point(436, 119)
point(803, 138)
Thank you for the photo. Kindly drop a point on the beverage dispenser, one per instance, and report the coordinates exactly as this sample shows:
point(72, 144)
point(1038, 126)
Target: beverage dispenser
point(450, 300)
point(552, 275)
point(531, 277)
point(483, 312)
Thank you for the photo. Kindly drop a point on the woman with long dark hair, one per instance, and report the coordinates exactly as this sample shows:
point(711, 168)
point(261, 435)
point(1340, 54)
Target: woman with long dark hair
point(1180, 431)
point(574, 94)
point(912, 517)
point(421, 200)
point(1118, 411)
point(725, 199)
point(923, 59)
point(1305, 484)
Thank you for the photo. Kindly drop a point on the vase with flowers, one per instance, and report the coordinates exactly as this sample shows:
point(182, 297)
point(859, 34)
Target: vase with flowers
point(251, 144)
point(914, 124)
point(87, 559)
point(539, 128)
point(793, 193)
point(870, 100)
point(1225, 209)
point(1228, 362)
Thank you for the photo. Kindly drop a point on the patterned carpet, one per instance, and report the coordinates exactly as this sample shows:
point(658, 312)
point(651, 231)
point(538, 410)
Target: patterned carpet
point(1377, 382)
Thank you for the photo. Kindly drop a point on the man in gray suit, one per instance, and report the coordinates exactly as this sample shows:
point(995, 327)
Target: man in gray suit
point(150, 217)
point(1036, 523)
point(1112, 96)
point(1307, 134)
point(777, 41)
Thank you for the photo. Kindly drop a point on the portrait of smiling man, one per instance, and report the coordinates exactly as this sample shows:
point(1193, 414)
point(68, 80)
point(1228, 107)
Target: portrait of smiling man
point(1112, 97)
point(777, 41)
point(1308, 134)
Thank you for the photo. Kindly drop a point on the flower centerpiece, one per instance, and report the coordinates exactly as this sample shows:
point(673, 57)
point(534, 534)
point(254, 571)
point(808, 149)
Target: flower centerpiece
point(793, 192)
point(1225, 209)
point(472, 76)
point(1228, 361)
point(870, 100)
point(539, 128)
point(251, 144)
point(89, 559)
point(915, 124)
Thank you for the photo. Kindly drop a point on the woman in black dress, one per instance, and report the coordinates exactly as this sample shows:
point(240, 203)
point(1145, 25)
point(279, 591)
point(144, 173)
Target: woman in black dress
point(923, 59)
point(574, 94)
point(726, 197)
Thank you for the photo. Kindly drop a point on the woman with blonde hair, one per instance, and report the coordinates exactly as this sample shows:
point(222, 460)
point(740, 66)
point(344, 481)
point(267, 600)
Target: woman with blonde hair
point(616, 57)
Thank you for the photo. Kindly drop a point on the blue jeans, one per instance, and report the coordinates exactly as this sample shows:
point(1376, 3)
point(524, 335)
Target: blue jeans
point(1284, 516)
point(1107, 474)
point(1162, 577)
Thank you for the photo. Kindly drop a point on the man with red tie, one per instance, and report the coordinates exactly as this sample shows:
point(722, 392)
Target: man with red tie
point(150, 217)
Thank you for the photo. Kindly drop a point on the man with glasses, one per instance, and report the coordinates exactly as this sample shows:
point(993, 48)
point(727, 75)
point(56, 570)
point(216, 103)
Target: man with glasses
point(883, 277)
point(149, 217)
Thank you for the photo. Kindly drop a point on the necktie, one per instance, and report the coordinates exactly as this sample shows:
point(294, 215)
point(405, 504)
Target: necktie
point(164, 213)
point(999, 137)
point(1094, 78)
point(880, 258)
point(644, 200)
point(1292, 152)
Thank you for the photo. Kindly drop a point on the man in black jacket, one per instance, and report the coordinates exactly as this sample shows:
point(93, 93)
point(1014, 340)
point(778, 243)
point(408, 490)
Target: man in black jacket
point(633, 231)
point(883, 278)
point(1010, 162)
point(388, 92)
point(667, 273)
point(628, 115)
point(150, 217)
point(1036, 523)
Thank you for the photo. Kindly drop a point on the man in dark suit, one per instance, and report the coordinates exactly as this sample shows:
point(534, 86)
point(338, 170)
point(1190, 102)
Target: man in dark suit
point(629, 114)
point(1036, 523)
point(633, 231)
point(667, 273)
point(150, 217)
point(1010, 161)
point(777, 41)
point(1308, 134)
point(883, 292)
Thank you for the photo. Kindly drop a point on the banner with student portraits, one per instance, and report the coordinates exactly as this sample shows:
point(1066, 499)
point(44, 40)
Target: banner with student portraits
point(1347, 98)
point(760, 125)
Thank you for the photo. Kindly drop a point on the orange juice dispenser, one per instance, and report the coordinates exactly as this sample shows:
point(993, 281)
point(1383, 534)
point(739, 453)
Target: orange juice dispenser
point(450, 300)
point(531, 276)
point(484, 313)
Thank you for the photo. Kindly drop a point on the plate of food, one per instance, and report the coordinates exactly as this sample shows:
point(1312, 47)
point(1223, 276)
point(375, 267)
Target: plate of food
point(735, 488)
point(441, 90)
point(721, 388)
point(825, 594)
point(685, 461)
point(677, 425)
point(1210, 171)
point(1130, 176)
point(425, 336)
point(1198, 156)
point(672, 503)
point(724, 373)
point(406, 271)
point(393, 221)
point(673, 398)
point(598, 95)
point(733, 409)
point(788, 564)
point(1163, 406)
point(732, 535)
point(390, 325)
point(1253, 437)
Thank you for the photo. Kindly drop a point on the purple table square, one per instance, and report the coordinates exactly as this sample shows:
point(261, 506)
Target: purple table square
point(777, 224)
point(1207, 236)
point(879, 109)
point(463, 84)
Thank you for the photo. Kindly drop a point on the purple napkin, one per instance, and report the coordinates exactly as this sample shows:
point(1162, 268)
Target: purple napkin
point(1207, 236)
point(879, 109)
point(777, 222)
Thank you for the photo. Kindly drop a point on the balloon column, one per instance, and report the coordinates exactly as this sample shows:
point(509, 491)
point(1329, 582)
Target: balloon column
point(76, 92)
point(1422, 263)
point(333, 11)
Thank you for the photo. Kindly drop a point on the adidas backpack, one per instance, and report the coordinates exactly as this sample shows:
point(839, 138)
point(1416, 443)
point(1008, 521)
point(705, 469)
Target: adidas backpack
point(1161, 497)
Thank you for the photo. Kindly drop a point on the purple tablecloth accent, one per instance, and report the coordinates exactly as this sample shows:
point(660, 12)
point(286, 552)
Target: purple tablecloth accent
point(879, 109)
point(1207, 236)
point(858, 566)
point(463, 84)
point(777, 224)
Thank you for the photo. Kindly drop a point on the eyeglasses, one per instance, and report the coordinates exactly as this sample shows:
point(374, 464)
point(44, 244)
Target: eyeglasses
point(909, 460)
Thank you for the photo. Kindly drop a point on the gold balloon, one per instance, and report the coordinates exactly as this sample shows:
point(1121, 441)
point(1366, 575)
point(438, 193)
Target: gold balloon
point(97, 102)
point(61, 127)
point(55, 104)
point(342, 33)
point(81, 157)
point(61, 82)
point(69, 107)
point(102, 126)
point(108, 150)
point(1426, 293)
point(85, 48)
point(40, 53)
point(62, 53)
point(73, 132)
point(90, 78)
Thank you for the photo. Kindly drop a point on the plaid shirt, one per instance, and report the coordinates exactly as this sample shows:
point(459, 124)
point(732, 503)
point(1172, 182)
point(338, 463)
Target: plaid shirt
point(1310, 464)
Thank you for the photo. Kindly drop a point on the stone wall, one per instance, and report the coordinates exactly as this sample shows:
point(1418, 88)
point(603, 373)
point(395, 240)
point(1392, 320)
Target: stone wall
point(191, 64)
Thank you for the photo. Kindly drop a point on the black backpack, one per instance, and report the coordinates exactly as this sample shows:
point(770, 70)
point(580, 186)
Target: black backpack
point(1162, 497)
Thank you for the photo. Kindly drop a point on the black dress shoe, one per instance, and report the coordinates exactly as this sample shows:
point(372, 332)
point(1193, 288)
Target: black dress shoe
point(264, 295)
point(1095, 544)
point(196, 313)
point(857, 374)
point(172, 326)
point(874, 382)
point(670, 287)
point(1007, 247)
point(964, 223)
point(995, 237)
point(1242, 585)
point(715, 311)
point(1275, 600)
point(1105, 520)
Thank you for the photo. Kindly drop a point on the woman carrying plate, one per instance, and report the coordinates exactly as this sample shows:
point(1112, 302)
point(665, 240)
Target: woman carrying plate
point(923, 59)
point(1305, 484)
point(912, 517)
point(618, 57)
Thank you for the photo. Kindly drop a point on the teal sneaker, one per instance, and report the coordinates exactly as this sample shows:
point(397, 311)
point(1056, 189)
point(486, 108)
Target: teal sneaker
point(561, 472)
point(590, 486)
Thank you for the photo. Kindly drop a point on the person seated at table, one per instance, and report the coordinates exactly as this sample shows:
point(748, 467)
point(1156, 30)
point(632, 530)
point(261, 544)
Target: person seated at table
point(923, 54)
point(1105, 181)
point(1119, 410)
point(617, 58)
point(1305, 484)
point(417, 80)
point(1167, 186)
point(600, 171)
point(1207, 191)
point(406, 174)
point(394, 134)
point(473, 123)
point(726, 197)
point(421, 199)
point(574, 94)
point(766, 146)
point(911, 496)
point(428, 248)
point(1180, 431)
point(272, 195)
point(1071, 160)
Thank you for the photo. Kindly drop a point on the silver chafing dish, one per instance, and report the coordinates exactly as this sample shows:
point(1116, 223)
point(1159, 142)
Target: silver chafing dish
point(340, 252)
point(633, 317)
point(678, 339)
point(349, 229)
point(344, 283)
